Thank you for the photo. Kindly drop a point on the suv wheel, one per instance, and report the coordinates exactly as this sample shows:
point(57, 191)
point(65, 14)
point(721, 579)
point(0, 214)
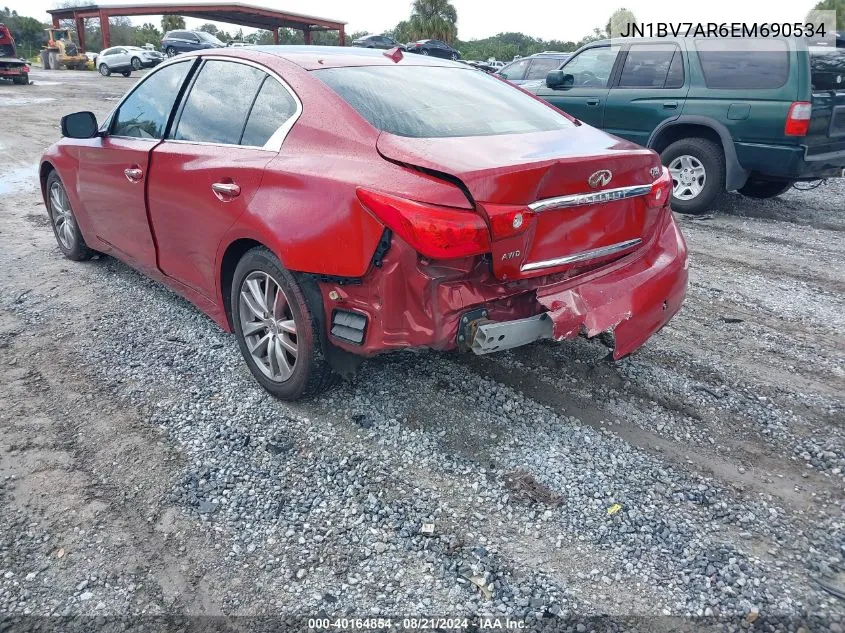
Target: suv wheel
point(762, 188)
point(104, 70)
point(278, 335)
point(136, 63)
point(697, 167)
point(170, 51)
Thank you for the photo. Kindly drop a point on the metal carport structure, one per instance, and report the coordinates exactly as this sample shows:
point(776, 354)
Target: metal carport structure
point(232, 12)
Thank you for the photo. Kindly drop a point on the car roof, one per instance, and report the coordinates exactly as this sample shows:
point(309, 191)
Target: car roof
point(317, 57)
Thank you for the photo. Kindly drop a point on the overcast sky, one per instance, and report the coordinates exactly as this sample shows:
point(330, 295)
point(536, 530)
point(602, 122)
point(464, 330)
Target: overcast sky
point(548, 19)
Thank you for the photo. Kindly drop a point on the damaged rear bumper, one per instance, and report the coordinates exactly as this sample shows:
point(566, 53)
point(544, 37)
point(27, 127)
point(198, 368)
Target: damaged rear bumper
point(412, 303)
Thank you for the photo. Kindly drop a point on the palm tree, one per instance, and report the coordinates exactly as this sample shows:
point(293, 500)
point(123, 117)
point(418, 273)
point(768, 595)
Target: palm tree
point(172, 22)
point(435, 19)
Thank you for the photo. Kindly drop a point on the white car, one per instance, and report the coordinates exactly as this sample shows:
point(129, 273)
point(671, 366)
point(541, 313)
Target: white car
point(125, 59)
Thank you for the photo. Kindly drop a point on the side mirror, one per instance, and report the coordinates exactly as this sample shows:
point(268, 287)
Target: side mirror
point(559, 80)
point(79, 125)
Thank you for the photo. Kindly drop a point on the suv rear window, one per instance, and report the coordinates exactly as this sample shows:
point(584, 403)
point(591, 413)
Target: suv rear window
point(436, 102)
point(827, 68)
point(743, 64)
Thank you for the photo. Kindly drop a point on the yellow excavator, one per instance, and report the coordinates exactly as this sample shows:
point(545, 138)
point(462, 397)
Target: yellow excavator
point(62, 50)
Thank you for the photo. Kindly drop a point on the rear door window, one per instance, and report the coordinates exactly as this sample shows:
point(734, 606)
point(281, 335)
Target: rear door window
point(647, 66)
point(743, 64)
point(217, 106)
point(144, 113)
point(273, 107)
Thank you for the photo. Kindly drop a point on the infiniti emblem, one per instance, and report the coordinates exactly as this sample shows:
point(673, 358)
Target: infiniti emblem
point(601, 178)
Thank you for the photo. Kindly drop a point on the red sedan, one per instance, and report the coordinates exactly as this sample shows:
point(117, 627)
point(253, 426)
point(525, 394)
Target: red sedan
point(328, 204)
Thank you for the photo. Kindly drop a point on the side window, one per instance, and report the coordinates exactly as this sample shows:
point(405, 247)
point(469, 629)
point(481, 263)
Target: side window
point(216, 108)
point(745, 64)
point(144, 113)
point(516, 70)
point(192, 37)
point(591, 68)
point(273, 106)
point(647, 66)
point(541, 67)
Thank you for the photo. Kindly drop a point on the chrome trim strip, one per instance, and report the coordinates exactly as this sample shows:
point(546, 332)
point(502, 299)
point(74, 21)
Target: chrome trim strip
point(580, 257)
point(596, 197)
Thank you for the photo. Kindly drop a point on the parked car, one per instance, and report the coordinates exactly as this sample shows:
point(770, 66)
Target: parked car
point(377, 41)
point(237, 44)
point(753, 116)
point(92, 57)
point(175, 42)
point(327, 205)
point(532, 68)
point(125, 59)
point(435, 48)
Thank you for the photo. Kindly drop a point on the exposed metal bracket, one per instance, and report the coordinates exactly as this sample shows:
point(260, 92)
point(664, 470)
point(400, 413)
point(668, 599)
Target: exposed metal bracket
point(495, 336)
point(467, 326)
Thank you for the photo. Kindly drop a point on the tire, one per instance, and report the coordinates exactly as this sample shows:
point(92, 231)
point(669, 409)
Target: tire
point(21, 80)
point(170, 51)
point(126, 73)
point(762, 188)
point(62, 219)
point(454, 57)
point(104, 70)
point(310, 373)
point(136, 63)
point(689, 159)
point(424, 52)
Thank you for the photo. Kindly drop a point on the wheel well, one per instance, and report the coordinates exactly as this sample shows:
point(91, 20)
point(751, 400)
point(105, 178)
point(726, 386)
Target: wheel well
point(228, 264)
point(676, 132)
point(43, 174)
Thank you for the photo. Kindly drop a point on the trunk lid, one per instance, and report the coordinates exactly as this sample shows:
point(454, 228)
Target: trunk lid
point(572, 214)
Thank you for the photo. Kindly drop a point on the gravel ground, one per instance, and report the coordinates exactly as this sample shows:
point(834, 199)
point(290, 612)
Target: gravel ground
point(144, 472)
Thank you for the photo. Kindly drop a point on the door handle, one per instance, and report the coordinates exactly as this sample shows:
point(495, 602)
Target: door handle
point(133, 174)
point(226, 191)
point(592, 102)
point(670, 105)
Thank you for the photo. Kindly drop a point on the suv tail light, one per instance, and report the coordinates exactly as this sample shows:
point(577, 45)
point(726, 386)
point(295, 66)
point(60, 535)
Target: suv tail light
point(798, 118)
point(433, 231)
point(661, 190)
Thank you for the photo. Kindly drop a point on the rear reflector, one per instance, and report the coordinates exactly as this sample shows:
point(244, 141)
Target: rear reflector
point(433, 231)
point(661, 190)
point(798, 119)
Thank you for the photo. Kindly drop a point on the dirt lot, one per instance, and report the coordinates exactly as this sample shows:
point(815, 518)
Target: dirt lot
point(142, 471)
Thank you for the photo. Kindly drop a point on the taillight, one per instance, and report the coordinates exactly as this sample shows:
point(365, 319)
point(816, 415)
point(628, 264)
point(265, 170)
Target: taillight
point(26, 69)
point(507, 220)
point(798, 118)
point(433, 231)
point(661, 190)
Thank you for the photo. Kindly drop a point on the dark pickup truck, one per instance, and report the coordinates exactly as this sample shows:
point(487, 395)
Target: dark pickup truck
point(11, 67)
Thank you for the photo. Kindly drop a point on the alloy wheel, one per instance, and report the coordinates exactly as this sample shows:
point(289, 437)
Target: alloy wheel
point(268, 326)
point(62, 216)
point(171, 52)
point(136, 63)
point(688, 177)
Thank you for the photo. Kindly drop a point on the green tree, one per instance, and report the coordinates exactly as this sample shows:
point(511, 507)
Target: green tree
point(147, 34)
point(172, 22)
point(29, 33)
point(436, 19)
point(619, 21)
point(829, 5)
point(209, 28)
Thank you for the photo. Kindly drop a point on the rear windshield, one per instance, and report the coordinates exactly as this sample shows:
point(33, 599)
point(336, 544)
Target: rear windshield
point(436, 102)
point(827, 68)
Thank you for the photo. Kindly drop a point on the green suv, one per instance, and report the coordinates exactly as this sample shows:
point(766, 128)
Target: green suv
point(750, 115)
